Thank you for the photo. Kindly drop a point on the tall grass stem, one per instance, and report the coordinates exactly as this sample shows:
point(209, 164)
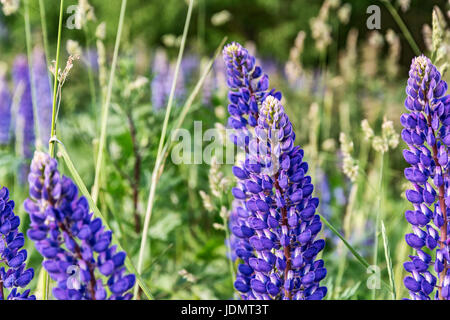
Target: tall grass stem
point(159, 154)
point(44, 30)
point(55, 84)
point(402, 26)
point(38, 132)
point(106, 105)
point(378, 217)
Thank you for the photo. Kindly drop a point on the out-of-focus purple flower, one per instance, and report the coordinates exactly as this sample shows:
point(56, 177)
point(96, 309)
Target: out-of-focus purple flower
point(13, 272)
point(325, 194)
point(427, 134)
point(90, 59)
point(44, 100)
point(25, 118)
point(159, 70)
point(163, 74)
point(278, 217)
point(5, 111)
point(189, 65)
point(339, 195)
point(77, 249)
point(215, 83)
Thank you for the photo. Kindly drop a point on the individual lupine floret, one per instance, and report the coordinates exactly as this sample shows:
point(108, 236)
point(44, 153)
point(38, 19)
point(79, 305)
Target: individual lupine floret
point(5, 111)
point(277, 224)
point(43, 94)
point(71, 240)
point(426, 132)
point(13, 272)
point(248, 88)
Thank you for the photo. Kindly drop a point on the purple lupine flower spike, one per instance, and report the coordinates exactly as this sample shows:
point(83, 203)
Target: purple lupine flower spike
point(5, 111)
point(278, 215)
point(76, 247)
point(427, 134)
point(21, 77)
point(248, 88)
point(13, 272)
point(43, 93)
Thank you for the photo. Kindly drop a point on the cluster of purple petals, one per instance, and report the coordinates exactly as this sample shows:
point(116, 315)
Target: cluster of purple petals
point(77, 249)
point(43, 94)
point(163, 75)
point(248, 88)
point(25, 119)
point(5, 111)
point(13, 272)
point(277, 221)
point(427, 134)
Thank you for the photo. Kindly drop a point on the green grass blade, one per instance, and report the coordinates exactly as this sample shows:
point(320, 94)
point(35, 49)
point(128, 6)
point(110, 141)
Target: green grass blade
point(84, 191)
point(160, 153)
point(107, 103)
point(402, 27)
point(44, 30)
point(387, 253)
point(55, 84)
point(353, 251)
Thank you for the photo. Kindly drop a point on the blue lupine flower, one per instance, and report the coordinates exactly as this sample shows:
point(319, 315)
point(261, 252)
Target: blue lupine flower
point(427, 134)
point(237, 217)
point(44, 101)
point(21, 77)
point(273, 221)
point(76, 247)
point(248, 88)
point(5, 111)
point(280, 224)
point(13, 272)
